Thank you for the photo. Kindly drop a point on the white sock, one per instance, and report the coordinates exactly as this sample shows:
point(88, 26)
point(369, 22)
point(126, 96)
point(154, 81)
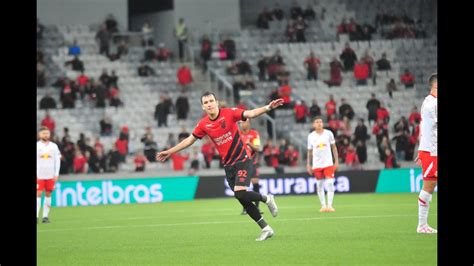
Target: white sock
point(330, 187)
point(46, 206)
point(320, 190)
point(38, 206)
point(423, 207)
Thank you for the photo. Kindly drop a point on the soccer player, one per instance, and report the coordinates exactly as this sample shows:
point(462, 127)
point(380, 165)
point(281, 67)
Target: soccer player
point(251, 138)
point(220, 125)
point(48, 161)
point(428, 155)
point(320, 143)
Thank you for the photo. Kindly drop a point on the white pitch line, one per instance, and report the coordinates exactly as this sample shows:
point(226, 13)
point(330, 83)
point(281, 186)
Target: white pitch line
point(222, 222)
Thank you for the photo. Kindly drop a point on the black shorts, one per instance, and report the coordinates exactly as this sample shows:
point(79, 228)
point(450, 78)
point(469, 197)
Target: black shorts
point(239, 174)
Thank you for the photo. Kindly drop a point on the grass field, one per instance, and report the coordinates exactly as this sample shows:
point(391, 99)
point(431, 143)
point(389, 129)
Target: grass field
point(365, 229)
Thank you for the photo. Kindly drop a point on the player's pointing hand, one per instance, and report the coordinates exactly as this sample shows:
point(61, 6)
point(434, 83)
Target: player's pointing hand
point(276, 103)
point(162, 156)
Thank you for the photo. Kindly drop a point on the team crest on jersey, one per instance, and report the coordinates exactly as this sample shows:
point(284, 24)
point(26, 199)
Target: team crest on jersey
point(223, 124)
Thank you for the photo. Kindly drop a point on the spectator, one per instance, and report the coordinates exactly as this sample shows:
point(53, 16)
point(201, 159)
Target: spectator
point(314, 110)
point(145, 71)
point(308, 13)
point(336, 70)
point(122, 49)
point(182, 106)
point(163, 53)
point(48, 122)
point(262, 67)
point(111, 24)
point(197, 159)
point(345, 110)
point(361, 73)
point(147, 31)
point(104, 77)
point(361, 151)
point(161, 113)
point(115, 101)
point(391, 87)
point(372, 106)
point(290, 32)
point(267, 148)
point(74, 48)
point(60, 82)
point(312, 64)
point(82, 79)
point(184, 134)
point(278, 13)
point(208, 151)
point(101, 94)
point(383, 114)
point(301, 111)
point(243, 67)
point(369, 61)
point(178, 160)
point(80, 163)
point(262, 20)
point(105, 126)
point(380, 130)
point(140, 162)
point(99, 163)
point(334, 124)
point(360, 132)
point(383, 64)
point(407, 79)
point(67, 97)
point(390, 160)
point(330, 106)
point(184, 76)
point(229, 47)
point(113, 158)
point(149, 54)
point(98, 145)
point(67, 154)
point(284, 92)
point(292, 155)
point(76, 63)
point(103, 37)
point(206, 52)
point(351, 158)
point(181, 33)
point(150, 148)
point(348, 58)
point(401, 145)
point(414, 116)
point(300, 26)
point(122, 147)
point(296, 10)
point(343, 27)
point(47, 102)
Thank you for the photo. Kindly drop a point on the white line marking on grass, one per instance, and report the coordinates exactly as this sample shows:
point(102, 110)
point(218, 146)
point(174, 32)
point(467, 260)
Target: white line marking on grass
point(222, 222)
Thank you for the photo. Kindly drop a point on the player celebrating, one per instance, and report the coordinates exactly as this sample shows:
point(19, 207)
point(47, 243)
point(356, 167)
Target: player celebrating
point(220, 125)
point(428, 155)
point(48, 161)
point(320, 143)
point(251, 138)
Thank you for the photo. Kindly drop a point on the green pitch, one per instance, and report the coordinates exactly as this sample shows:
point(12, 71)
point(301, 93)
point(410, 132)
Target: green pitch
point(365, 229)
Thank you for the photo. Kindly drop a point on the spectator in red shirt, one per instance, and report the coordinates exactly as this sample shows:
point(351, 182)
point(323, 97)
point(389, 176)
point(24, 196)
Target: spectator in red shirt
point(292, 155)
point(407, 79)
point(334, 124)
point(301, 111)
point(122, 147)
point(415, 115)
point(285, 93)
point(380, 130)
point(206, 52)
point(184, 75)
point(390, 160)
point(369, 60)
point(80, 162)
point(163, 53)
point(140, 162)
point(336, 70)
point(267, 152)
point(361, 73)
point(330, 106)
point(48, 122)
point(82, 79)
point(178, 161)
point(98, 145)
point(383, 114)
point(351, 156)
point(312, 64)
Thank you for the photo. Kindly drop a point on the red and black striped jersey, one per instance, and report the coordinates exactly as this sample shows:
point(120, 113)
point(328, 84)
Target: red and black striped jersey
point(224, 133)
point(252, 137)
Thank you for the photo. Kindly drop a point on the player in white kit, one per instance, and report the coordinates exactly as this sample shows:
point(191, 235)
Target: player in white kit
point(320, 162)
point(428, 155)
point(48, 161)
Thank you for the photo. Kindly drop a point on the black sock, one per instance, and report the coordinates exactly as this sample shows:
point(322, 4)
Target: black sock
point(253, 212)
point(256, 189)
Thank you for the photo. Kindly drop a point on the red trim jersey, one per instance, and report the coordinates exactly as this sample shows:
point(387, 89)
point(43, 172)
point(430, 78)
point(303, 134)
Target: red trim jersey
point(252, 137)
point(224, 133)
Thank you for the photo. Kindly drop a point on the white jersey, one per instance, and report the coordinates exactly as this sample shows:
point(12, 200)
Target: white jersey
point(48, 160)
point(321, 146)
point(429, 126)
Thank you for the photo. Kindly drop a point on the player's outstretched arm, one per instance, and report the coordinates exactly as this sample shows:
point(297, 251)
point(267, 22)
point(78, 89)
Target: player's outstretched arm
point(261, 110)
point(162, 156)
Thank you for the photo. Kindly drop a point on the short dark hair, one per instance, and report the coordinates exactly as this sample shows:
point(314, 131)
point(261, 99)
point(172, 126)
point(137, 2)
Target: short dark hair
point(43, 128)
point(433, 78)
point(317, 117)
point(207, 93)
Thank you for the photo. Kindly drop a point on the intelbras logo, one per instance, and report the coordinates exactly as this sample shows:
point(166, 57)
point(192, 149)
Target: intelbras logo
point(106, 193)
point(290, 185)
